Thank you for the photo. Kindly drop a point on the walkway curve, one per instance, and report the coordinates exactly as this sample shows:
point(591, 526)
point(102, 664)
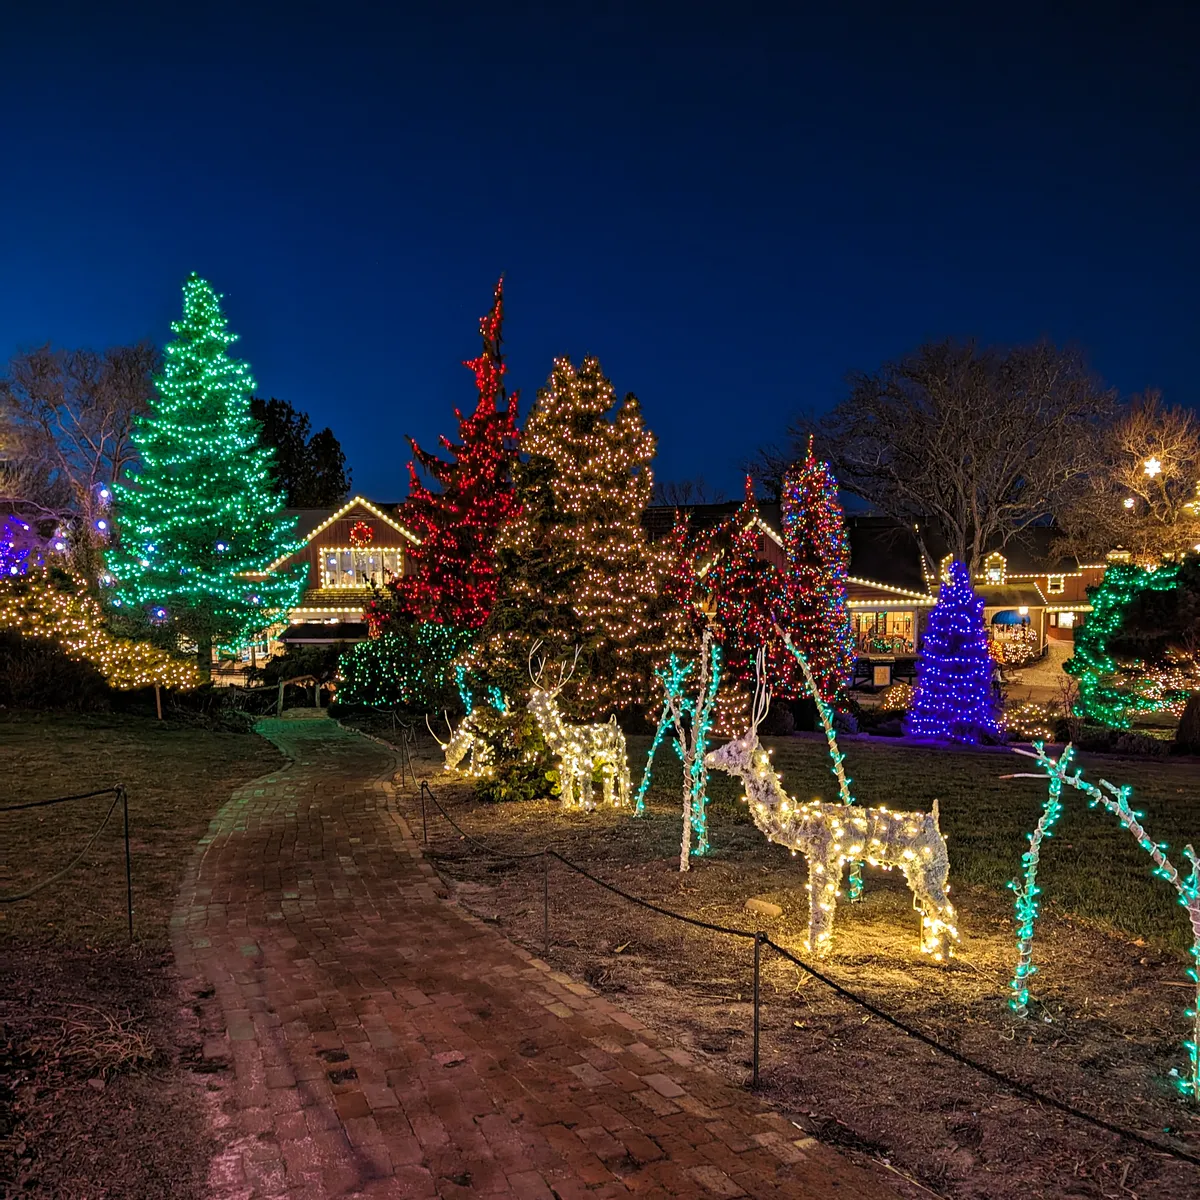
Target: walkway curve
point(385, 1043)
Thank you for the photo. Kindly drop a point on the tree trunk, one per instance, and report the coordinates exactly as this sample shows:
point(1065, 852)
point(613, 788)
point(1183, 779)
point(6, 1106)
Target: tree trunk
point(1187, 736)
point(685, 847)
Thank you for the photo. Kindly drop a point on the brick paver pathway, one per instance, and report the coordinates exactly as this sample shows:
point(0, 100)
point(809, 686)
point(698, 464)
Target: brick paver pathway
point(383, 1042)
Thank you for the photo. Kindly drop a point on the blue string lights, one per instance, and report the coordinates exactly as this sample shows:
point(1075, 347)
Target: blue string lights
point(953, 698)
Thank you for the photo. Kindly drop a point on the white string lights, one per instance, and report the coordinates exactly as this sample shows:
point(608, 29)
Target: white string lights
point(584, 751)
point(830, 835)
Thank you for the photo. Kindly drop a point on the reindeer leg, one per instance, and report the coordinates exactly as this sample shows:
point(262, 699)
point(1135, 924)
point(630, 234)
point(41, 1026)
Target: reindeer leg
point(938, 932)
point(607, 782)
point(824, 880)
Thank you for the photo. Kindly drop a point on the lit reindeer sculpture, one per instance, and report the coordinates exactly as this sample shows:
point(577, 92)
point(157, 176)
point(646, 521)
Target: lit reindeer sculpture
point(464, 739)
point(583, 751)
point(829, 835)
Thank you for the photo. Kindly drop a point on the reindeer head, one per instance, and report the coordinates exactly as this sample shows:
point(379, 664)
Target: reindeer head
point(460, 742)
point(738, 756)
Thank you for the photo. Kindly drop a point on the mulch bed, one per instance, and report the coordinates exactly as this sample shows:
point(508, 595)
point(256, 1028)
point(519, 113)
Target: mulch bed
point(1105, 1034)
point(102, 1092)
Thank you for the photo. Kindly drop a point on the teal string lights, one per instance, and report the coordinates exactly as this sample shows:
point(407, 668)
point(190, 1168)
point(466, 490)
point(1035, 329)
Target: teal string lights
point(854, 886)
point(1187, 888)
point(664, 723)
point(1027, 891)
point(693, 722)
point(692, 719)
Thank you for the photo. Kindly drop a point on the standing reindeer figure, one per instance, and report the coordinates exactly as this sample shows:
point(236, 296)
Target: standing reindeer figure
point(582, 750)
point(829, 835)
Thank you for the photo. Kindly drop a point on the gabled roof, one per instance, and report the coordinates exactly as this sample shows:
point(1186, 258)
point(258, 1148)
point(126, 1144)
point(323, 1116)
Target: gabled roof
point(311, 521)
point(1010, 595)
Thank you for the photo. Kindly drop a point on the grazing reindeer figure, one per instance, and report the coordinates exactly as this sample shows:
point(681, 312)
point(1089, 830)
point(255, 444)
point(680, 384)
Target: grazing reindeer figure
point(829, 835)
point(582, 750)
point(463, 739)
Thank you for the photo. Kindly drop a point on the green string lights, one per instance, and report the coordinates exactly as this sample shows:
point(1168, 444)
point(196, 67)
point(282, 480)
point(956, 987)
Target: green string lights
point(1116, 800)
point(854, 885)
point(1092, 664)
point(201, 521)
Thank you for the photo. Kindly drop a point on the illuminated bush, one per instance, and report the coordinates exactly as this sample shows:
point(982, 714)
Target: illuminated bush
point(54, 606)
point(895, 697)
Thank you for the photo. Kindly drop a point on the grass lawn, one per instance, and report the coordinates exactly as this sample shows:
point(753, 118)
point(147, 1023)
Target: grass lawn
point(1108, 1021)
point(91, 1038)
point(1092, 869)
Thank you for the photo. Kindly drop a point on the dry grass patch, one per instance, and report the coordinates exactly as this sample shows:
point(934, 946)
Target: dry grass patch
point(1112, 988)
point(94, 1099)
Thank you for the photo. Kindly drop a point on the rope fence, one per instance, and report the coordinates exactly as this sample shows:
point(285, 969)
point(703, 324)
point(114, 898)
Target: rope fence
point(119, 796)
point(760, 939)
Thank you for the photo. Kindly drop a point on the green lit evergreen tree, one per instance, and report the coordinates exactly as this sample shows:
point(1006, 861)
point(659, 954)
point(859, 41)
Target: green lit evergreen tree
point(200, 521)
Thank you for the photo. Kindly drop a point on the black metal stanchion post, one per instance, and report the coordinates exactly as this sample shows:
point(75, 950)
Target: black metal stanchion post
point(546, 905)
point(758, 937)
point(128, 865)
point(424, 825)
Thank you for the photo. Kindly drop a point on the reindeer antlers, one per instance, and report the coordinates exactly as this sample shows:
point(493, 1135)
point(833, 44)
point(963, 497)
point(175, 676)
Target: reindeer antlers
point(434, 735)
point(564, 675)
point(762, 689)
point(541, 663)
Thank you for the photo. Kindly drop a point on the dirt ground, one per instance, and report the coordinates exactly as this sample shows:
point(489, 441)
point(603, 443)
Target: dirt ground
point(1105, 1034)
point(101, 1072)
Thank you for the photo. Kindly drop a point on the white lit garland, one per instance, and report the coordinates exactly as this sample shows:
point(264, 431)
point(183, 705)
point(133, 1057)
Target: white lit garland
point(830, 835)
point(583, 751)
point(1116, 800)
point(32, 606)
point(467, 738)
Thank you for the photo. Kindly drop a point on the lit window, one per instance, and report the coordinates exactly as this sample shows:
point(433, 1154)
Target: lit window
point(1066, 620)
point(1056, 584)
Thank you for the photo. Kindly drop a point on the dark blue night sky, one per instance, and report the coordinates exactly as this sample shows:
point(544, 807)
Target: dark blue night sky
point(729, 206)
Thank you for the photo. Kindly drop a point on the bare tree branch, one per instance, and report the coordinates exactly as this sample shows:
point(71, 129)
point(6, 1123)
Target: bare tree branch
point(972, 445)
point(1144, 492)
point(68, 417)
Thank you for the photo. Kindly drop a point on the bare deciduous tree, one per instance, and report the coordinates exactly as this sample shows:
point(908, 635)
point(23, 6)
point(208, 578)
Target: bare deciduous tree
point(69, 417)
point(683, 493)
point(973, 444)
point(1143, 494)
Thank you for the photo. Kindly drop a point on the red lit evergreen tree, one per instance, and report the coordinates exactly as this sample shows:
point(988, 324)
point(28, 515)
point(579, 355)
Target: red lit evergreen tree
point(742, 587)
point(452, 579)
point(810, 593)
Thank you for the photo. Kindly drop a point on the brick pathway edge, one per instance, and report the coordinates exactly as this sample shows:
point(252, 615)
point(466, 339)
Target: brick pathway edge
point(365, 1036)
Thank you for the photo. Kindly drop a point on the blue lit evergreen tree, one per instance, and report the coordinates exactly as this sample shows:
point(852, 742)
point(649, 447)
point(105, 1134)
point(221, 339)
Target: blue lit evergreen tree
point(953, 697)
point(200, 522)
